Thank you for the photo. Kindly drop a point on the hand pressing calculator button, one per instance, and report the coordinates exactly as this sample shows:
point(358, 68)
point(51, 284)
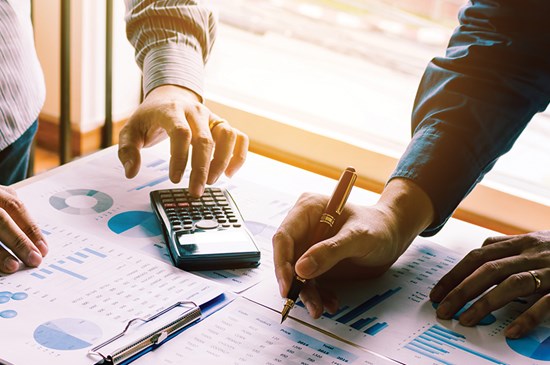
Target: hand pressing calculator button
point(204, 233)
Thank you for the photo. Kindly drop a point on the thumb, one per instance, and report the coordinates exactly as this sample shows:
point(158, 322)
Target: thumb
point(321, 257)
point(128, 151)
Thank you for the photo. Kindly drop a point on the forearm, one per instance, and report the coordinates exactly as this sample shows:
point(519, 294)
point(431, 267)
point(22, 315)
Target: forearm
point(409, 207)
point(172, 40)
point(473, 103)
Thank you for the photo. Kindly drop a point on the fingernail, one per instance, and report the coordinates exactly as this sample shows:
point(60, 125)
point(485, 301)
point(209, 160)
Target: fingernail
point(281, 287)
point(128, 165)
point(306, 267)
point(34, 259)
point(468, 317)
point(443, 310)
point(10, 264)
point(513, 331)
point(43, 247)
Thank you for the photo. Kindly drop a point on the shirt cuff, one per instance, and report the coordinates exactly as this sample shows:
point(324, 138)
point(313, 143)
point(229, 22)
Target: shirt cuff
point(173, 64)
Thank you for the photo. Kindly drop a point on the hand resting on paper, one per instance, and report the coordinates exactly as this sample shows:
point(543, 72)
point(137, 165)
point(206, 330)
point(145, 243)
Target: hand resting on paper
point(503, 269)
point(178, 113)
point(19, 233)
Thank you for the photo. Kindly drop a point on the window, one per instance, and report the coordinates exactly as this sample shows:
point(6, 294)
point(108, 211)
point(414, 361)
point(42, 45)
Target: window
point(336, 79)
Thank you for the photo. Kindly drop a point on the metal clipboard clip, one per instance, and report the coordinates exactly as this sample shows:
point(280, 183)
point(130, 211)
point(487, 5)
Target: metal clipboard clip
point(150, 339)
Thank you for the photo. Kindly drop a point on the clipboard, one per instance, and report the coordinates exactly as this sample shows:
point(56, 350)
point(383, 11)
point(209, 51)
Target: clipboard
point(119, 350)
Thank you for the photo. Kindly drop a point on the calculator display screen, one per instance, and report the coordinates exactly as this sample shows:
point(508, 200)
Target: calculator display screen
point(216, 241)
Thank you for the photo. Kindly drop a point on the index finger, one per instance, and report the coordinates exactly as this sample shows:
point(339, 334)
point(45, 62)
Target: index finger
point(293, 230)
point(19, 214)
point(129, 144)
point(202, 143)
point(471, 262)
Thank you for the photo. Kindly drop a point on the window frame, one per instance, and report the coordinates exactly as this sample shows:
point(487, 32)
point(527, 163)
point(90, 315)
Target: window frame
point(489, 206)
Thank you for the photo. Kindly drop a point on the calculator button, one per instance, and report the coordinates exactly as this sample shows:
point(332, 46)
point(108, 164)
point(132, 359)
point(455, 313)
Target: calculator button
point(206, 224)
point(237, 225)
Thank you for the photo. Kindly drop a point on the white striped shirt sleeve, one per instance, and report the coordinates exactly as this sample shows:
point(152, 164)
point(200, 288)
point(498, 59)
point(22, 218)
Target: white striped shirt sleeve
point(172, 39)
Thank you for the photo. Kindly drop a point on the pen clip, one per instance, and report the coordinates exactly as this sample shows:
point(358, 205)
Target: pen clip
point(155, 337)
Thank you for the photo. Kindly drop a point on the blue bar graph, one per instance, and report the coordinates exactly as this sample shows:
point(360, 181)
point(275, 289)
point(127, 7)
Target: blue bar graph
point(94, 252)
point(74, 259)
point(340, 311)
point(364, 307)
point(68, 272)
point(374, 329)
point(362, 323)
point(71, 265)
point(438, 342)
point(152, 183)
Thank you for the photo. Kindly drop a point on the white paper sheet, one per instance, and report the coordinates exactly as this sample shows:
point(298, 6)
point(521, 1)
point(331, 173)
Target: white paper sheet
point(85, 291)
point(246, 333)
point(393, 315)
point(97, 199)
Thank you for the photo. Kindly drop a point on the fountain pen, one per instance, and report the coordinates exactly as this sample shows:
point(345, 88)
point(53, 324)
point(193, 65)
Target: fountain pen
point(332, 211)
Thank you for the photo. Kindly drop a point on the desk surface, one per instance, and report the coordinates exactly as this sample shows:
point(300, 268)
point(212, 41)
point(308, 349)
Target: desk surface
point(264, 190)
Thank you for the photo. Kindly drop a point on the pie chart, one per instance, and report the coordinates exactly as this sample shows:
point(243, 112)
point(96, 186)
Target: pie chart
point(67, 334)
point(81, 201)
point(135, 224)
point(536, 345)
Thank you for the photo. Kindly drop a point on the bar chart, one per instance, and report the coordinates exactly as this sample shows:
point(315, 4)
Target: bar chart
point(68, 266)
point(441, 344)
point(357, 317)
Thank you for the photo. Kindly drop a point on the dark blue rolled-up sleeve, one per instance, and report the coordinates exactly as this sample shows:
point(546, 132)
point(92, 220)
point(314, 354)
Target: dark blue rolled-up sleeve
point(472, 104)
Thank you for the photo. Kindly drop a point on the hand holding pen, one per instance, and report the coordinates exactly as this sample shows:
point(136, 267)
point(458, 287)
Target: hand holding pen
point(332, 211)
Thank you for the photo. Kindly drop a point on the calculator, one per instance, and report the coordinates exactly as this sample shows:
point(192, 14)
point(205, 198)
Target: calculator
point(205, 233)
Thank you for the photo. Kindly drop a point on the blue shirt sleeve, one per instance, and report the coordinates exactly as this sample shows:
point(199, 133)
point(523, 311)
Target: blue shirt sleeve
point(472, 104)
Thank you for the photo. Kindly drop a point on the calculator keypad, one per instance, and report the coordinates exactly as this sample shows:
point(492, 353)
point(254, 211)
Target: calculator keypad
point(185, 213)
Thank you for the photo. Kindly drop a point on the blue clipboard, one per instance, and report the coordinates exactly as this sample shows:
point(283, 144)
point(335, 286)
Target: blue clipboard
point(126, 352)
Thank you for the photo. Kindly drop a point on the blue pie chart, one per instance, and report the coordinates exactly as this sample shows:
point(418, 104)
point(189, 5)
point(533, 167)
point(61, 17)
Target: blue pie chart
point(135, 224)
point(67, 334)
point(536, 345)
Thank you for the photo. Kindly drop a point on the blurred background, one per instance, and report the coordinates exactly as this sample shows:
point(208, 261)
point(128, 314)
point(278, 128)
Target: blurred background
point(310, 81)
